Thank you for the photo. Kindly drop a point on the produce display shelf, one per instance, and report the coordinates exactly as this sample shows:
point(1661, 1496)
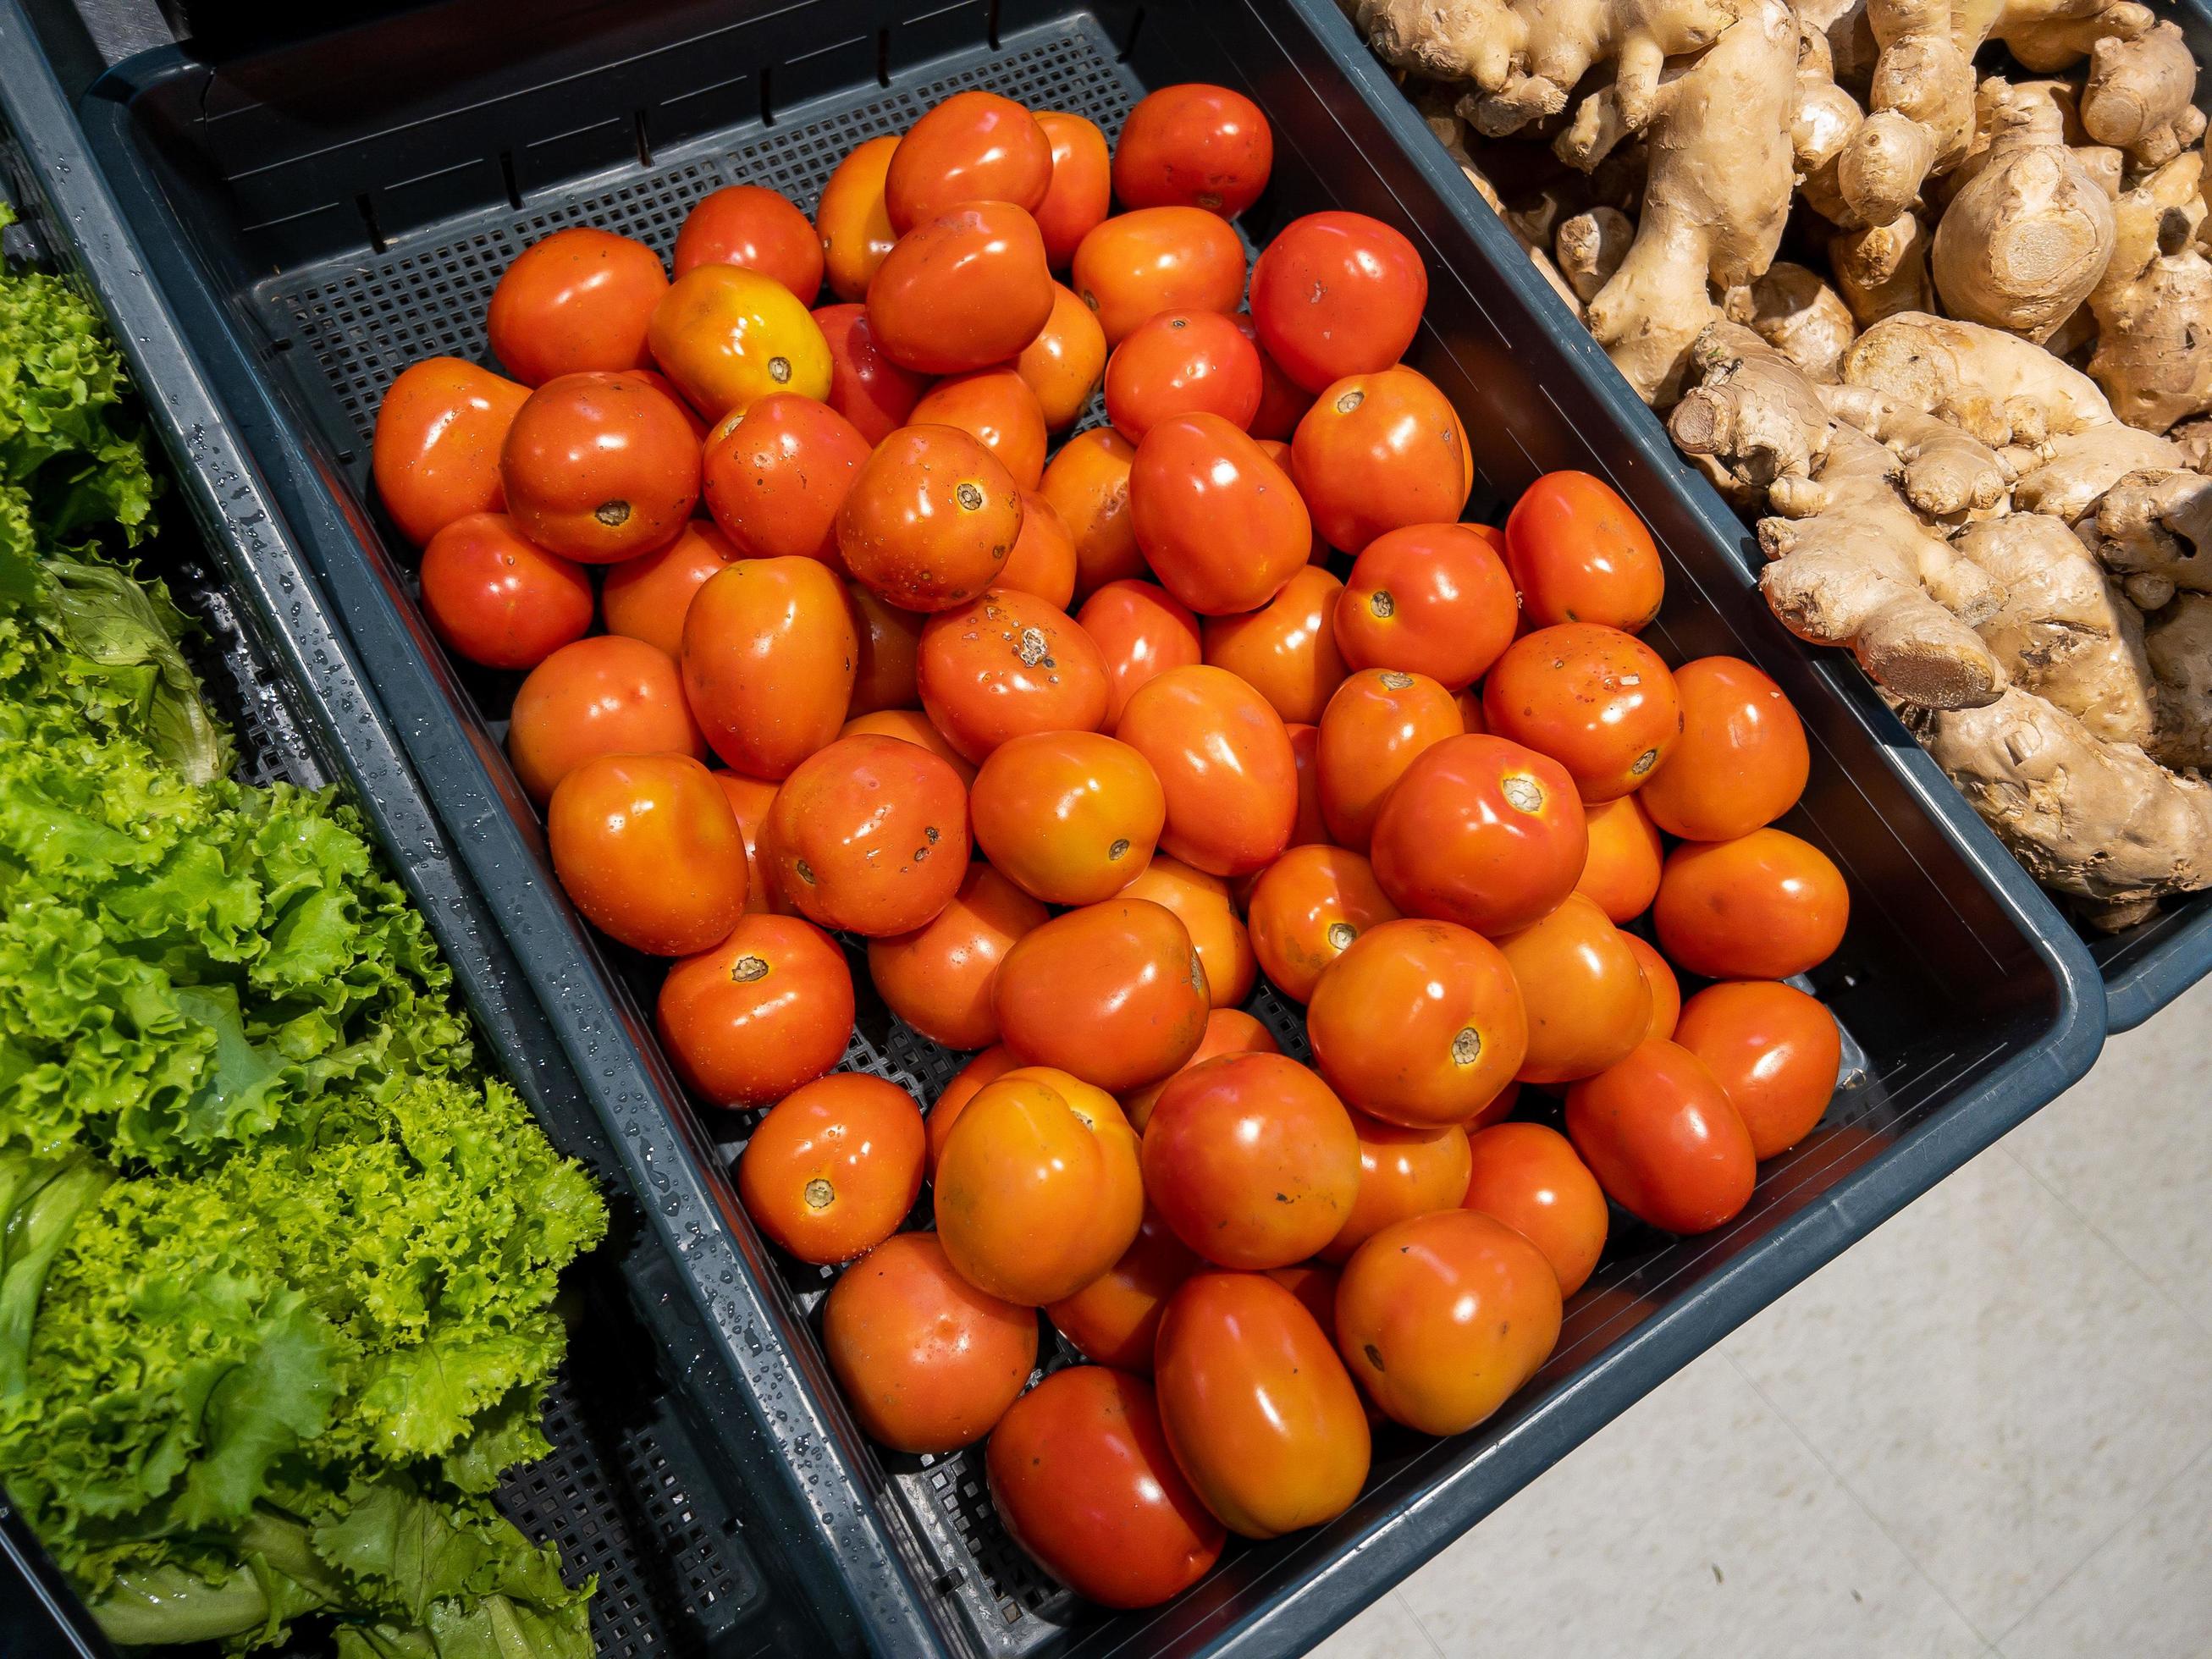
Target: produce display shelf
point(322, 213)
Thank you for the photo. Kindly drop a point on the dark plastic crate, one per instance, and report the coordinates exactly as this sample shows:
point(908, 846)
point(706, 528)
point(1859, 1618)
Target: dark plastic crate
point(319, 215)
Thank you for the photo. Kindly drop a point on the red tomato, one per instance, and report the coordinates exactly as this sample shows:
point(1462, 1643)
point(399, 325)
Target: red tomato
point(833, 1169)
point(1043, 559)
point(1470, 710)
point(930, 519)
point(1141, 631)
point(577, 301)
point(937, 978)
point(1286, 650)
point(1182, 362)
point(1445, 1317)
point(1220, 524)
point(604, 695)
point(961, 290)
point(1338, 294)
point(883, 678)
point(648, 848)
point(1775, 1051)
point(1666, 990)
point(1087, 484)
point(867, 387)
point(599, 468)
point(1528, 1177)
point(1114, 1318)
point(1112, 992)
point(498, 599)
point(909, 725)
point(1741, 761)
point(1657, 1131)
point(1194, 145)
point(1306, 909)
point(853, 224)
point(1283, 403)
point(1595, 699)
point(1063, 363)
point(1379, 451)
point(1069, 816)
point(1403, 1173)
point(1376, 723)
point(1161, 259)
point(766, 1010)
point(728, 336)
point(1482, 832)
point(750, 800)
point(996, 407)
point(1587, 1000)
point(870, 836)
point(1228, 1031)
point(768, 651)
point(1081, 1474)
point(648, 598)
point(1005, 665)
point(1225, 762)
point(1311, 827)
point(1764, 906)
point(1622, 874)
point(928, 1363)
point(1082, 187)
point(973, 147)
point(967, 1082)
point(750, 226)
point(439, 432)
point(775, 473)
point(1579, 553)
point(1314, 1284)
point(1201, 902)
point(1430, 599)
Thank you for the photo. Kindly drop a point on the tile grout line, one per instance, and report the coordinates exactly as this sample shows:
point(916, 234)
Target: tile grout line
point(2188, 1315)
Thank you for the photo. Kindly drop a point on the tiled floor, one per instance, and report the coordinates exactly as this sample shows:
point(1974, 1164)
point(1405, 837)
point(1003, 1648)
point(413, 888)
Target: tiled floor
point(1986, 1429)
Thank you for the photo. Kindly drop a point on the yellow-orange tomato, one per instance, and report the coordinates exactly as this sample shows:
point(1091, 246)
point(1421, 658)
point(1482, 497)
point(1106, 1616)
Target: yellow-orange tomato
point(1666, 990)
point(439, 432)
point(749, 1019)
point(1286, 650)
point(1005, 665)
point(890, 639)
point(1741, 761)
point(1087, 484)
point(648, 849)
point(605, 695)
point(1587, 1000)
point(1528, 1177)
point(1596, 700)
point(1774, 1050)
point(1063, 363)
point(1579, 553)
point(833, 1169)
point(500, 601)
point(1114, 1318)
point(775, 473)
point(768, 662)
point(1228, 1031)
point(1112, 992)
point(1622, 874)
point(1429, 599)
point(1082, 188)
point(1043, 559)
point(855, 225)
point(909, 725)
point(1037, 1189)
point(930, 518)
point(1377, 452)
point(1068, 817)
point(1403, 1173)
point(1141, 631)
point(1657, 1131)
point(993, 1063)
point(1373, 727)
point(1479, 831)
point(869, 835)
point(937, 978)
point(1764, 906)
point(1443, 1317)
point(728, 336)
point(1221, 525)
point(648, 598)
point(1225, 762)
point(1418, 1022)
point(973, 147)
point(1202, 904)
point(996, 407)
point(750, 800)
point(1306, 909)
point(1160, 259)
point(575, 301)
point(599, 468)
point(964, 291)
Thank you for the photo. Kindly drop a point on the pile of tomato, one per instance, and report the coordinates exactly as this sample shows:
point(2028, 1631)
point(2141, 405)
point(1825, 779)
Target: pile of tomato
point(1081, 741)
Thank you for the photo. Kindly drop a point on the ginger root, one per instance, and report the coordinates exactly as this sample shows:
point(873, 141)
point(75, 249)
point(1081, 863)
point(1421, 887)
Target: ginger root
point(2137, 95)
point(1798, 315)
point(1882, 270)
point(2154, 306)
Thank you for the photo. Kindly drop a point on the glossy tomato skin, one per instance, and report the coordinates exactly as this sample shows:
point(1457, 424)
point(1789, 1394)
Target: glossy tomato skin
point(1305, 910)
point(752, 227)
point(1305, 751)
point(1224, 763)
point(1775, 1051)
point(753, 1017)
point(1082, 189)
point(1080, 1472)
point(648, 848)
point(728, 336)
point(1443, 1317)
point(1741, 761)
point(1578, 553)
point(996, 407)
point(1043, 559)
point(648, 597)
point(890, 639)
point(603, 696)
point(1666, 990)
point(869, 835)
point(909, 725)
point(768, 650)
point(937, 978)
point(1182, 362)
point(1379, 451)
point(1069, 816)
point(1114, 1319)
point(973, 147)
point(1429, 599)
point(1375, 724)
point(987, 1068)
point(1597, 701)
point(750, 800)
point(1419, 1024)
point(1112, 992)
point(775, 473)
point(1087, 484)
point(1587, 1000)
point(867, 387)
point(930, 521)
point(1194, 145)
point(962, 290)
point(1141, 631)
point(1338, 294)
point(927, 1361)
point(1403, 1173)
point(832, 1169)
point(1228, 1031)
point(1530, 1178)
point(1658, 1132)
point(439, 432)
point(1622, 874)
point(1764, 906)
point(1221, 525)
point(1005, 665)
point(1154, 260)
point(1286, 649)
point(1283, 402)
point(599, 468)
point(1262, 1415)
point(851, 221)
point(576, 301)
point(1480, 831)
point(1063, 363)
point(498, 599)
point(1202, 904)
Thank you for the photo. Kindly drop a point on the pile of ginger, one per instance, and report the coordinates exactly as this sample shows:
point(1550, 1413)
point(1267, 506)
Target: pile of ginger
point(1972, 417)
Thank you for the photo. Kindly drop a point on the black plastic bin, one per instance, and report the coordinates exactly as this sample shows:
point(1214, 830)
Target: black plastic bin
point(322, 214)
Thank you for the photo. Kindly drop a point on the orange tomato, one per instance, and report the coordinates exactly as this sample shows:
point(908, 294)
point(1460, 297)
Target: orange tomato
point(1224, 763)
point(1283, 403)
point(1068, 817)
point(1311, 827)
point(1429, 599)
point(1063, 363)
point(648, 597)
point(1470, 710)
point(869, 835)
point(909, 725)
point(1182, 362)
point(648, 849)
point(1114, 1318)
point(599, 468)
point(728, 336)
point(937, 978)
point(604, 695)
point(967, 1083)
point(1228, 1031)
point(1479, 831)
point(439, 432)
point(1775, 1052)
point(1379, 451)
point(1528, 1177)
point(750, 226)
point(1741, 761)
point(1586, 996)
point(749, 1019)
point(962, 290)
point(973, 147)
point(1005, 665)
point(996, 407)
point(1658, 1133)
point(1082, 188)
point(1159, 259)
point(750, 800)
point(1194, 145)
point(1338, 294)
point(1375, 724)
point(1221, 525)
point(575, 301)
point(1579, 553)
point(1306, 909)
point(776, 472)
point(1666, 990)
point(930, 518)
point(867, 387)
point(1043, 559)
point(768, 650)
point(1403, 1173)
point(1087, 484)
point(1314, 1284)
point(1141, 631)
point(1112, 992)
point(853, 224)
point(883, 678)
point(1286, 650)
point(1764, 906)
point(498, 599)
point(1202, 904)
point(1597, 701)
point(833, 1169)
point(1622, 874)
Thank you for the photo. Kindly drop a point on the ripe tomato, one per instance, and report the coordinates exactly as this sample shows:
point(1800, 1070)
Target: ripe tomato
point(728, 336)
point(1314, 1284)
point(768, 650)
point(648, 597)
point(1262, 1416)
point(1741, 761)
point(1579, 553)
point(1286, 650)
point(1403, 1173)
point(1479, 831)
point(1069, 816)
point(667, 388)
point(1225, 762)
point(927, 1361)
point(909, 725)
point(1141, 631)
point(578, 301)
point(1220, 524)
point(853, 225)
point(1429, 599)
point(1063, 363)
point(1038, 1191)
point(1112, 992)
point(1528, 1177)
point(599, 468)
point(1445, 1317)
point(1470, 710)
point(776, 472)
point(1666, 990)
point(1005, 665)
point(1080, 1473)
point(1379, 451)
point(930, 519)
point(1043, 559)
point(1283, 403)
point(890, 639)
point(1622, 874)
point(1087, 484)
point(603, 696)
point(1764, 906)
point(1194, 145)
point(993, 1063)
point(1201, 902)
point(648, 848)
point(1114, 1318)
point(1775, 1052)
point(498, 599)
point(1082, 189)
point(754, 227)
point(1182, 362)
point(1375, 724)
point(1595, 699)
point(1338, 294)
point(1161, 259)
point(1306, 909)
point(867, 387)
point(1305, 751)
point(962, 290)
point(1586, 996)
point(1418, 1022)
point(833, 1169)
point(439, 432)
point(973, 147)
point(870, 836)
point(768, 1008)
point(937, 978)
point(996, 407)
point(1657, 1131)
point(750, 800)
point(1228, 1031)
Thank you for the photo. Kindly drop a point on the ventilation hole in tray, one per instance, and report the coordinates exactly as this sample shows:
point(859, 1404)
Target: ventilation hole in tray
point(1010, 1579)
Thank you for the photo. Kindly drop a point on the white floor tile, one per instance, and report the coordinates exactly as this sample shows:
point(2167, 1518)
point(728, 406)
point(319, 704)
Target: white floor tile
point(1387, 1629)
